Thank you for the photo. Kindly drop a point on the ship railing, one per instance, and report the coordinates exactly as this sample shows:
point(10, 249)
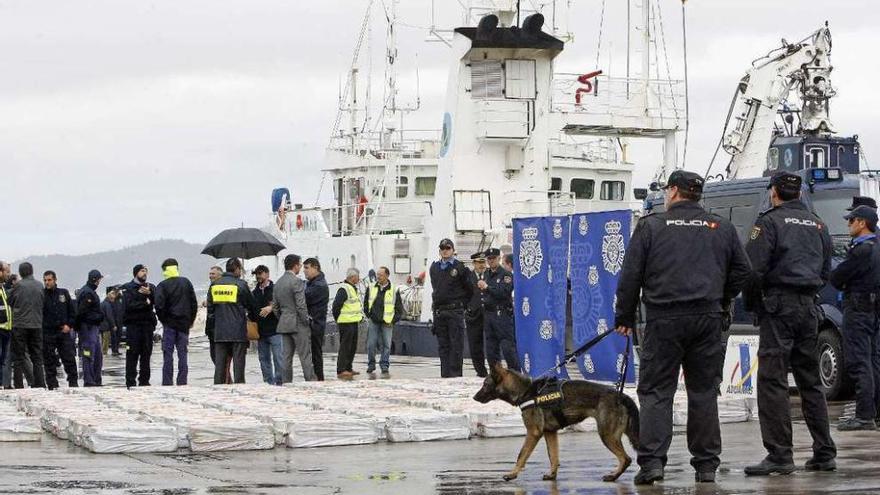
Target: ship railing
point(410, 143)
point(538, 203)
point(619, 96)
point(386, 217)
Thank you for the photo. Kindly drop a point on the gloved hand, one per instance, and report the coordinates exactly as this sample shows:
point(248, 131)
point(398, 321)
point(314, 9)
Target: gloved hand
point(726, 315)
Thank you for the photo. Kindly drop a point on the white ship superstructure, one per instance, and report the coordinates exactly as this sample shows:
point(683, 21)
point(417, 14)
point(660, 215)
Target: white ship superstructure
point(518, 139)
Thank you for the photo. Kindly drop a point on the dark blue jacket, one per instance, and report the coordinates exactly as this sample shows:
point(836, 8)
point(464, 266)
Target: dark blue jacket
point(267, 325)
point(58, 309)
point(138, 307)
point(176, 304)
point(317, 300)
point(88, 307)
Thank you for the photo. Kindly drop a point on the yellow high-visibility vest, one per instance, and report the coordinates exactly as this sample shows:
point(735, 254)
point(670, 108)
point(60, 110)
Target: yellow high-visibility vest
point(353, 310)
point(6, 309)
point(388, 316)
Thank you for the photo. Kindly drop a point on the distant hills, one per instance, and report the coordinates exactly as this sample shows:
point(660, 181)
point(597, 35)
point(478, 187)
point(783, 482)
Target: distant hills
point(116, 265)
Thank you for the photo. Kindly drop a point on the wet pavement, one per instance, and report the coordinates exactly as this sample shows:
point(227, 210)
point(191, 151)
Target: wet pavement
point(453, 467)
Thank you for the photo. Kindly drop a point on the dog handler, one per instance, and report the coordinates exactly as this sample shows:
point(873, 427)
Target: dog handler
point(689, 264)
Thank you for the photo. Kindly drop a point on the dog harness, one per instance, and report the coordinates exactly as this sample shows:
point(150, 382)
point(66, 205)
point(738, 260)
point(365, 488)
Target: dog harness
point(546, 393)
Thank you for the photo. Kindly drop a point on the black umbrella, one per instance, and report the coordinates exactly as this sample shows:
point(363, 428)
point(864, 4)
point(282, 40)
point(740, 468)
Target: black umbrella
point(244, 243)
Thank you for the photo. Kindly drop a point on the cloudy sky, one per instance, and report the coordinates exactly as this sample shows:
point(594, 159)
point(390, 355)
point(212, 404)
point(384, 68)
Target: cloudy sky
point(125, 121)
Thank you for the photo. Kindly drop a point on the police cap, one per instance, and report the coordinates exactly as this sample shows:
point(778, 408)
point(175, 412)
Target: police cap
point(480, 256)
point(686, 181)
point(866, 213)
point(493, 253)
point(447, 243)
point(862, 201)
point(786, 181)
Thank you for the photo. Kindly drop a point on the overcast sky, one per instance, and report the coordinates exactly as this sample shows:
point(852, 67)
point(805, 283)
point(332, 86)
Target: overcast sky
point(126, 121)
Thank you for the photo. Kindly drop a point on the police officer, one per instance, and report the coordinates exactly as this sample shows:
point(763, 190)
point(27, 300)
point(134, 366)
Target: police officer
point(88, 320)
point(688, 264)
point(497, 290)
point(790, 251)
point(473, 316)
point(451, 292)
point(59, 316)
point(858, 277)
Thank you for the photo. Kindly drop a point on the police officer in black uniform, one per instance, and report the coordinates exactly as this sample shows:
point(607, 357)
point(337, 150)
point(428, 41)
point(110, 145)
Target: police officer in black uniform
point(59, 315)
point(451, 293)
point(497, 290)
point(688, 264)
point(858, 277)
point(790, 251)
point(473, 316)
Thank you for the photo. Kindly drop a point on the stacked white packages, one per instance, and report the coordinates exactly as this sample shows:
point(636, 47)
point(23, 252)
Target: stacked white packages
point(16, 426)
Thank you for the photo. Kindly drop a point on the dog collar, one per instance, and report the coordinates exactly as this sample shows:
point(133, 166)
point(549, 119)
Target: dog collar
point(527, 404)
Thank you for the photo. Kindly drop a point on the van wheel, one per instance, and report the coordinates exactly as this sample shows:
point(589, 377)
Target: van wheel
point(832, 365)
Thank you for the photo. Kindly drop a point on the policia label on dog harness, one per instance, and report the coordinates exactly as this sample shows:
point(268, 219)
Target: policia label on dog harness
point(546, 393)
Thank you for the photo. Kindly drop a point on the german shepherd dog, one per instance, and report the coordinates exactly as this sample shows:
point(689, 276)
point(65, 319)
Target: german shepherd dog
point(615, 414)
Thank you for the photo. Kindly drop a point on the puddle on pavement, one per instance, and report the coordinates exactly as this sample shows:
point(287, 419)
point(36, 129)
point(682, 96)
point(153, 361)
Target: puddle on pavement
point(253, 488)
point(26, 467)
point(195, 458)
point(163, 491)
point(83, 485)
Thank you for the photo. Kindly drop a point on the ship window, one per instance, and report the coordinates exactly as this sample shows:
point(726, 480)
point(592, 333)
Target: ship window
point(520, 79)
point(816, 158)
point(582, 188)
point(425, 186)
point(773, 159)
point(612, 190)
point(841, 160)
point(487, 79)
point(402, 186)
point(555, 186)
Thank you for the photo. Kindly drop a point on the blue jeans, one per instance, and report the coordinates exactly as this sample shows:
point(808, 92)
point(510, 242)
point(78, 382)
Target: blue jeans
point(175, 339)
point(270, 354)
point(378, 340)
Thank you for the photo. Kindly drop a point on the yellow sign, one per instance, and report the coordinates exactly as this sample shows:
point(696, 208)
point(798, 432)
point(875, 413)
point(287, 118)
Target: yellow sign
point(224, 294)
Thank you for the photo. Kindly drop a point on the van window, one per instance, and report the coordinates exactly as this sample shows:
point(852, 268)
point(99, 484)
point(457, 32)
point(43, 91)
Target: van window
point(425, 186)
point(582, 188)
point(816, 158)
point(612, 190)
point(773, 159)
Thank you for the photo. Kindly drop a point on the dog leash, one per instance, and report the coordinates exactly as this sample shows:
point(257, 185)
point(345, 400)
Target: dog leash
point(573, 355)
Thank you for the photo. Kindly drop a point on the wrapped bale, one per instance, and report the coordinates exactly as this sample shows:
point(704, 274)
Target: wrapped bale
point(19, 428)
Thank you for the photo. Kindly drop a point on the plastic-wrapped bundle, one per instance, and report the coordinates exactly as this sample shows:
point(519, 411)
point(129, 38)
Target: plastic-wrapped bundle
point(426, 426)
point(128, 438)
point(19, 428)
point(332, 430)
point(234, 433)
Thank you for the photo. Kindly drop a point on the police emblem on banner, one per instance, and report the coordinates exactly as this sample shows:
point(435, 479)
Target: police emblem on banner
point(602, 327)
point(588, 363)
point(593, 277)
point(530, 255)
point(583, 225)
point(546, 330)
point(557, 229)
point(527, 363)
point(526, 307)
point(550, 274)
point(613, 249)
point(619, 364)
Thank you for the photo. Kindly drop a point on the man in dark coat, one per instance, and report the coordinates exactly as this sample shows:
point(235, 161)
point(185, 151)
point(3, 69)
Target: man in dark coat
point(140, 324)
point(317, 300)
point(59, 316)
point(176, 307)
point(88, 320)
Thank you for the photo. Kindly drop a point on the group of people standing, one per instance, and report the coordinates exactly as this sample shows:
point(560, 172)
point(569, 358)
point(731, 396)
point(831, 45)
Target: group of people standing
point(688, 265)
point(43, 327)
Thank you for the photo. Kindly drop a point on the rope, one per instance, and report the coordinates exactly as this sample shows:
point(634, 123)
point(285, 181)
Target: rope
point(721, 138)
point(622, 381)
point(601, 28)
point(666, 59)
point(687, 122)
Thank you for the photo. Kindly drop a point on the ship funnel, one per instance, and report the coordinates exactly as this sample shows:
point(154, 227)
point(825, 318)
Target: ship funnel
point(486, 27)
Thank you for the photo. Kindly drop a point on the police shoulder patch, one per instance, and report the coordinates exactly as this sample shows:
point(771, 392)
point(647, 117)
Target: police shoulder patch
point(756, 231)
point(507, 279)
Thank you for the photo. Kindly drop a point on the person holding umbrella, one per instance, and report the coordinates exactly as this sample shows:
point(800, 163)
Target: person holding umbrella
point(230, 305)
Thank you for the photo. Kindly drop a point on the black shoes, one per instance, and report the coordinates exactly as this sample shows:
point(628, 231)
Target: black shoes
point(856, 424)
point(815, 465)
point(768, 467)
point(648, 476)
point(704, 477)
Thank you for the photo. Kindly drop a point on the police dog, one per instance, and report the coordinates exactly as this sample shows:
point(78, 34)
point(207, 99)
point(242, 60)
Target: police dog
point(615, 414)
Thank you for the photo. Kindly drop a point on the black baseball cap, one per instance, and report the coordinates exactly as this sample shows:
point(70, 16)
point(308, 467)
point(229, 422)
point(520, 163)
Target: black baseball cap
point(686, 181)
point(493, 253)
point(866, 213)
point(480, 256)
point(862, 201)
point(447, 243)
point(786, 181)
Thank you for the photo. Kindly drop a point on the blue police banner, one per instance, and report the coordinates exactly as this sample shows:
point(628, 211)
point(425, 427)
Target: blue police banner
point(540, 251)
point(598, 245)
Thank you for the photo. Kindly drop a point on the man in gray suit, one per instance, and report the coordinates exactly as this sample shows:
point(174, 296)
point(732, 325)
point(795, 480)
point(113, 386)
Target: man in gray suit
point(289, 303)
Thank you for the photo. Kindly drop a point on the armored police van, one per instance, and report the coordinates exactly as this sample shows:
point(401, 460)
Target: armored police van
point(827, 192)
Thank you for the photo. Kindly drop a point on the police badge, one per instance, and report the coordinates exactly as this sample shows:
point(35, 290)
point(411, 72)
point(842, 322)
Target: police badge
point(593, 276)
point(613, 249)
point(588, 364)
point(530, 255)
point(756, 231)
point(62, 298)
point(546, 330)
point(527, 363)
point(557, 229)
point(454, 272)
point(583, 225)
point(526, 307)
